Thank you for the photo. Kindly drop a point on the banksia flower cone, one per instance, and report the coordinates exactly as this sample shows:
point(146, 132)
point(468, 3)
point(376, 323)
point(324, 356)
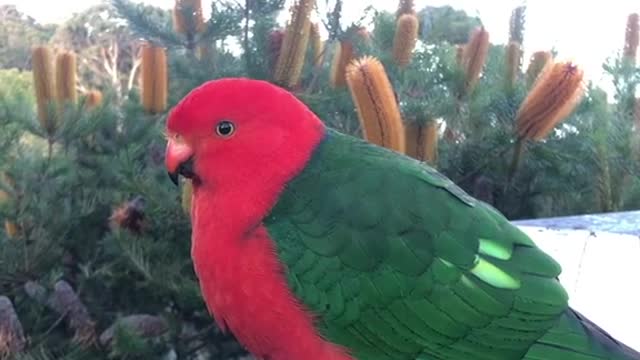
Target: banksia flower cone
point(632, 38)
point(317, 45)
point(405, 7)
point(93, 99)
point(44, 84)
point(375, 102)
point(187, 17)
point(294, 45)
point(344, 54)
point(274, 43)
point(514, 57)
point(342, 57)
point(154, 79)
point(553, 97)
point(475, 56)
point(539, 60)
point(405, 39)
point(66, 77)
point(516, 24)
point(422, 141)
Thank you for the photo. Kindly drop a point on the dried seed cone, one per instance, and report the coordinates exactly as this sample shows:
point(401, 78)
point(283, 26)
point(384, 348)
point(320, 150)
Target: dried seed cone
point(12, 339)
point(516, 24)
point(475, 56)
point(422, 141)
point(143, 325)
point(405, 7)
point(65, 300)
point(538, 61)
point(66, 78)
point(342, 57)
point(317, 45)
point(294, 45)
point(405, 39)
point(93, 99)
point(375, 102)
point(188, 17)
point(553, 97)
point(187, 191)
point(513, 61)
point(154, 79)
point(632, 37)
point(44, 84)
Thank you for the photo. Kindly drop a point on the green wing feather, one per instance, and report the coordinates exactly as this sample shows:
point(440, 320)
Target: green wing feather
point(399, 263)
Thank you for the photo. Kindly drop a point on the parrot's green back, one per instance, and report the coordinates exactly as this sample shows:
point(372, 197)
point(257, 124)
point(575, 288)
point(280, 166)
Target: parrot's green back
point(399, 263)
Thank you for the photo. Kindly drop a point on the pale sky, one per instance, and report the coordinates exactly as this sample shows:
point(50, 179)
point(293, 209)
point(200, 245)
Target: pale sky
point(584, 31)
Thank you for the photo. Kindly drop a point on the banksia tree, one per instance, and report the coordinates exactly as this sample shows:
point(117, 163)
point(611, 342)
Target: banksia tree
point(376, 104)
point(421, 141)
point(516, 24)
point(474, 57)
point(187, 17)
point(553, 97)
point(513, 63)
point(66, 78)
point(44, 85)
point(538, 61)
point(294, 45)
point(632, 38)
point(405, 7)
point(154, 78)
point(405, 39)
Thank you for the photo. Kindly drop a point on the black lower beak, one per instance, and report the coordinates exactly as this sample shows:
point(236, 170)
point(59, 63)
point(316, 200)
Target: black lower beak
point(174, 177)
point(185, 169)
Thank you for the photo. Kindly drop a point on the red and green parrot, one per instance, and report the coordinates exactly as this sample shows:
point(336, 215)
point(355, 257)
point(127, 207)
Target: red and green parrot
point(314, 245)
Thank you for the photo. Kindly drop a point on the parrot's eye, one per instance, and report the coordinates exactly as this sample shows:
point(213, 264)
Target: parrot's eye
point(225, 128)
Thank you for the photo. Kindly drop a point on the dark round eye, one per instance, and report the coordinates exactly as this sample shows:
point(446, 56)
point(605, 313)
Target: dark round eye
point(225, 128)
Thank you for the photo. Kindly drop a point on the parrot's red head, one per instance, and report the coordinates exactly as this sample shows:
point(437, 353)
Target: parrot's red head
point(236, 131)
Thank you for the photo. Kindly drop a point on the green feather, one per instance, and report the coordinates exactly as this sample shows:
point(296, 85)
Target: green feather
point(397, 262)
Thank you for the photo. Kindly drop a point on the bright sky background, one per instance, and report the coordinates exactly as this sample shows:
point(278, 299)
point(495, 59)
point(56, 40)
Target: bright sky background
point(586, 31)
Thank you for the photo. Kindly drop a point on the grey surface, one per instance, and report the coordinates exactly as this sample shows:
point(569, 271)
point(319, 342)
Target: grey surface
point(621, 223)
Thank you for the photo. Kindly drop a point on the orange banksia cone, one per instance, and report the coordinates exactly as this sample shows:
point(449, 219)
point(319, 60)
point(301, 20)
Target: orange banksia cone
point(405, 39)
point(294, 45)
point(422, 141)
point(376, 104)
point(154, 78)
point(553, 97)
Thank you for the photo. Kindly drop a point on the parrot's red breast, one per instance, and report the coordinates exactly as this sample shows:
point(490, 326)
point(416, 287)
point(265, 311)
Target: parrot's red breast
point(238, 177)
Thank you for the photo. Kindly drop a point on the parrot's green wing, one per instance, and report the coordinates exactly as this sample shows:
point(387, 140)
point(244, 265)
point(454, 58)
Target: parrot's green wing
point(399, 263)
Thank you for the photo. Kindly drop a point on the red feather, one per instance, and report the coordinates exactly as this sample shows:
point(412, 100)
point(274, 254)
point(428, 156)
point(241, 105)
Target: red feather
point(241, 278)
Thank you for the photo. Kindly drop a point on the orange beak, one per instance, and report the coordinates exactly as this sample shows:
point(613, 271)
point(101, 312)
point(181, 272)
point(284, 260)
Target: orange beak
point(179, 160)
